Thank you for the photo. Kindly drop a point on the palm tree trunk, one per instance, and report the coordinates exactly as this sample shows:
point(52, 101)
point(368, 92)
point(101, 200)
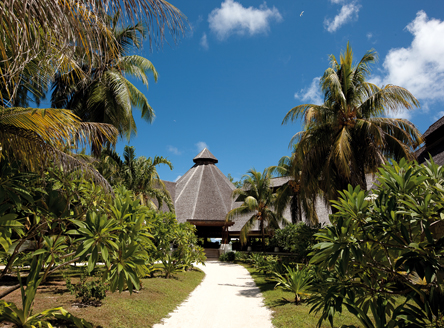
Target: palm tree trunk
point(296, 215)
point(263, 235)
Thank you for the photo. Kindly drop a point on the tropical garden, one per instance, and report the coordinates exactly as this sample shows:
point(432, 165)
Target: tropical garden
point(72, 211)
point(379, 260)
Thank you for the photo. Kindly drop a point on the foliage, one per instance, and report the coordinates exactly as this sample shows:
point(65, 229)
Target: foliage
point(36, 138)
point(385, 246)
point(56, 31)
point(167, 232)
point(42, 211)
point(122, 241)
point(105, 94)
point(24, 317)
point(241, 256)
point(89, 291)
point(121, 310)
point(285, 313)
point(301, 197)
point(296, 238)
point(347, 136)
point(258, 201)
point(237, 184)
point(296, 280)
point(227, 257)
point(138, 174)
point(263, 262)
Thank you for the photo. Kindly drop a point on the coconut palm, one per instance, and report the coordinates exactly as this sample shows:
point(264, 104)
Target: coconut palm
point(347, 136)
point(106, 95)
point(258, 201)
point(36, 136)
point(301, 198)
point(48, 29)
point(138, 174)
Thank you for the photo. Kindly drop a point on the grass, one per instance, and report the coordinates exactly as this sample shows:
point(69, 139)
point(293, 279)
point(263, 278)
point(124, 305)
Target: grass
point(286, 313)
point(156, 299)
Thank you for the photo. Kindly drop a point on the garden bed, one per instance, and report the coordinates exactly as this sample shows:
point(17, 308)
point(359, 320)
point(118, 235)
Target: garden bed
point(285, 313)
point(157, 298)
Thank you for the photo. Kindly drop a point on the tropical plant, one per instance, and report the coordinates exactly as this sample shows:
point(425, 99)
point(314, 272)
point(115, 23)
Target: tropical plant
point(37, 38)
point(296, 238)
point(301, 197)
point(241, 256)
point(36, 137)
point(258, 201)
point(347, 136)
point(384, 253)
point(263, 262)
point(106, 95)
point(167, 232)
point(227, 257)
point(24, 317)
point(122, 241)
point(89, 291)
point(295, 280)
point(138, 174)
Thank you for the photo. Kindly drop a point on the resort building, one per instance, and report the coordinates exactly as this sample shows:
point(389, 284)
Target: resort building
point(203, 197)
point(434, 143)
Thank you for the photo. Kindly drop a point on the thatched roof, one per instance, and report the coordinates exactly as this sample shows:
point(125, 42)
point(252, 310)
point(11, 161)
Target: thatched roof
point(204, 192)
point(435, 126)
point(437, 152)
point(278, 182)
point(434, 144)
point(205, 156)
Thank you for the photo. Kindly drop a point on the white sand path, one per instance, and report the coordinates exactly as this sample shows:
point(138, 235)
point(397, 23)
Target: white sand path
point(227, 297)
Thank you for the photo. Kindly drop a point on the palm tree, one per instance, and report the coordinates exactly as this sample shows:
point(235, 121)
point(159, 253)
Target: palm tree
point(301, 198)
point(47, 30)
point(36, 136)
point(138, 174)
point(258, 201)
point(106, 95)
point(347, 136)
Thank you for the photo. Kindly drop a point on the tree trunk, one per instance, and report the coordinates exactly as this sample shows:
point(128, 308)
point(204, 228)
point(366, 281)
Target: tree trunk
point(263, 235)
point(296, 215)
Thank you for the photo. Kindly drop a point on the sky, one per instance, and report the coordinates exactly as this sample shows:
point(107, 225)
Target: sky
point(242, 65)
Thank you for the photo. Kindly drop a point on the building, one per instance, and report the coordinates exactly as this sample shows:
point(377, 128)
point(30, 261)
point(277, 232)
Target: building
point(203, 197)
point(434, 143)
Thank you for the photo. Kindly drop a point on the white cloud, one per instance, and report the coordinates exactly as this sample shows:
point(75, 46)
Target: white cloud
point(204, 41)
point(402, 113)
point(348, 13)
point(201, 145)
point(369, 35)
point(438, 115)
point(312, 94)
point(420, 67)
point(233, 18)
point(174, 150)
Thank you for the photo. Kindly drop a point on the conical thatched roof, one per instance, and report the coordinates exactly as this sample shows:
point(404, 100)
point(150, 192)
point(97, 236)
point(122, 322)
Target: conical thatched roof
point(205, 156)
point(204, 192)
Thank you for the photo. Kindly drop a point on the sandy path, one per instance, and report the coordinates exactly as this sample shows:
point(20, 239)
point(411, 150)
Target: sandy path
point(227, 297)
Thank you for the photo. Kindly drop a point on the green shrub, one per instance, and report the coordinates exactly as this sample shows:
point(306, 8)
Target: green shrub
point(296, 238)
point(263, 262)
point(295, 280)
point(227, 257)
point(88, 291)
point(241, 256)
point(382, 257)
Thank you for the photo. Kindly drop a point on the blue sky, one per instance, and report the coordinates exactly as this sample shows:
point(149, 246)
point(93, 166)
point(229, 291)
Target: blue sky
point(242, 65)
